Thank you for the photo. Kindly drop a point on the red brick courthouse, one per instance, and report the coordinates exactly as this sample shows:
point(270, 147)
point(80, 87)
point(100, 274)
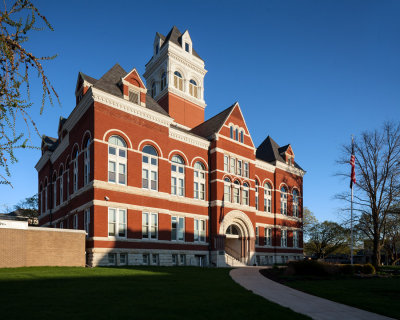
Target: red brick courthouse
point(151, 182)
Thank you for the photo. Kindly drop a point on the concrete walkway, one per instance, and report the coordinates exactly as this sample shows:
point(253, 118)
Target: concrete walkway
point(312, 306)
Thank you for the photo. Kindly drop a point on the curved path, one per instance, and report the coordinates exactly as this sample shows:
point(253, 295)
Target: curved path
point(312, 306)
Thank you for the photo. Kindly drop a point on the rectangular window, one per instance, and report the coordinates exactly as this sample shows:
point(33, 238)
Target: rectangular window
point(61, 189)
point(87, 221)
point(149, 225)
point(145, 258)
point(295, 239)
point(55, 194)
point(231, 132)
point(239, 167)
point(111, 259)
point(246, 169)
point(177, 228)
point(267, 236)
point(62, 225)
point(121, 173)
point(182, 259)
point(174, 259)
point(245, 197)
point(134, 97)
point(173, 185)
point(283, 238)
point(236, 195)
point(233, 161)
point(227, 192)
point(111, 171)
point(226, 163)
point(75, 221)
point(116, 222)
point(154, 259)
point(187, 47)
point(123, 260)
point(199, 230)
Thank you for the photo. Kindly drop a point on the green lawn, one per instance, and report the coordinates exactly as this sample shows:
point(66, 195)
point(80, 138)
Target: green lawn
point(112, 293)
point(379, 295)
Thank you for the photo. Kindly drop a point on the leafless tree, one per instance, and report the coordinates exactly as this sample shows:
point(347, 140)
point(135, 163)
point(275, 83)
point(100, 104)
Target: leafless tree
point(377, 189)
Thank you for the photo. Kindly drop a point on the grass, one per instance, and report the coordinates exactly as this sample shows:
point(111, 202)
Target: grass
point(376, 294)
point(138, 293)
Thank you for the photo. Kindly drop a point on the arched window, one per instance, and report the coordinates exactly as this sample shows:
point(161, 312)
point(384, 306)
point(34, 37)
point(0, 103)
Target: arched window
point(193, 88)
point(86, 152)
point(241, 136)
point(227, 190)
point(67, 190)
point(153, 90)
point(199, 181)
point(245, 194)
point(295, 203)
point(40, 198)
point(177, 176)
point(237, 134)
point(61, 181)
point(267, 197)
point(54, 190)
point(236, 192)
point(75, 179)
point(283, 201)
point(178, 81)
point(45, 196)
point(257, 187)
point(149, 168)
point(163, 81)
point(231, 131)
point(117, 159)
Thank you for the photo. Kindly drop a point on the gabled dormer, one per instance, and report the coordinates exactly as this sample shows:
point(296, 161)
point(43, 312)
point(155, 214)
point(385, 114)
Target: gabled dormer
point(158, 42)
point(83, 84)
point(186, 42)
point(287, 154)
point(133, 88)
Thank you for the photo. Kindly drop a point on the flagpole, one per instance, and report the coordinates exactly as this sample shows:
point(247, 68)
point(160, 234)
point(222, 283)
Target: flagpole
point(351, 226)
point(351, 211)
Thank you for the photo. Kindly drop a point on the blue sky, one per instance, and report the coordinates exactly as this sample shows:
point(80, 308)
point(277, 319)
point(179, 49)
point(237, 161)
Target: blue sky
point(309, 73)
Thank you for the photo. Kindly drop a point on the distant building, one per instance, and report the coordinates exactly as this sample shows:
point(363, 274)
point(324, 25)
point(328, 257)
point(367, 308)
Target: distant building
point(151, 182)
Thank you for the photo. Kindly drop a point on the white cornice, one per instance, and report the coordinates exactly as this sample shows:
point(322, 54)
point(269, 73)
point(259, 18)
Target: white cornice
point(188, 138)
point(131, 108)
point(60, 148)
point(184, 95)
point(42, 161)
point(265, 166)
point(290, 169)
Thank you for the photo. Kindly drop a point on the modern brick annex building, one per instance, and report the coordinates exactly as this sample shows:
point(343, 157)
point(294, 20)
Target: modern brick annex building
point(151, 182)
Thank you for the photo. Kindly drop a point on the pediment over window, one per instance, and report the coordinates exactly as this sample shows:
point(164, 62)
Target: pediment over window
point(133, 88)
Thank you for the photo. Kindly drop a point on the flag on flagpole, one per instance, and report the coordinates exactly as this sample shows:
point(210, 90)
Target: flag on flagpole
point(353, 166)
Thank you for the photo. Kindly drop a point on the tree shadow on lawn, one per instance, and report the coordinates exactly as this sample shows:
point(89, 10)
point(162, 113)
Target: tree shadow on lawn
point(148, 292)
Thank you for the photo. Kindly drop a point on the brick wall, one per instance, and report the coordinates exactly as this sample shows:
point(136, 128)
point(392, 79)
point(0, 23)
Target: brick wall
point(41, 247)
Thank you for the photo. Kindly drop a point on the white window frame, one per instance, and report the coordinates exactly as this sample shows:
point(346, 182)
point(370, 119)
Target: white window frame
point(68, 184)
point(236, 192)
point(239, 167)
point(179, 228)
point(193, 88)
point(61, 182)
point(86, 174)
point(232, 167)
point(267, 236)
point(246, 169)
point(227, 187)
point(86, 222)
point(151, 169)
point(45, 198)
point(283, 201)
point(75, 165)
point(245, 194)
point(55, 193)
point(178, 81)
point(177, 176)
point(295, 238)
point(257, 188)
point(295, 203)
point(267, 198)
point(257, 236)
point(134, 96)
point(118, 160)
point(150, 224)
point(75, 221)
point(199, 184)
point(118, 223)
point(226, 163)
point(199, 230)
point(283, 238)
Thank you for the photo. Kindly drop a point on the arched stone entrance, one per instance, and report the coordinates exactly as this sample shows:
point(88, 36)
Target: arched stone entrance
point(239, 236)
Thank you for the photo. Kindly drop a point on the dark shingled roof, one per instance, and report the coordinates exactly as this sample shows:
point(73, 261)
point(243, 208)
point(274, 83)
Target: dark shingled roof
point(51, 143)
point(88, 78)
point(175, 36)
point(109, 83)
point(270, 151)
point(212, 125)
